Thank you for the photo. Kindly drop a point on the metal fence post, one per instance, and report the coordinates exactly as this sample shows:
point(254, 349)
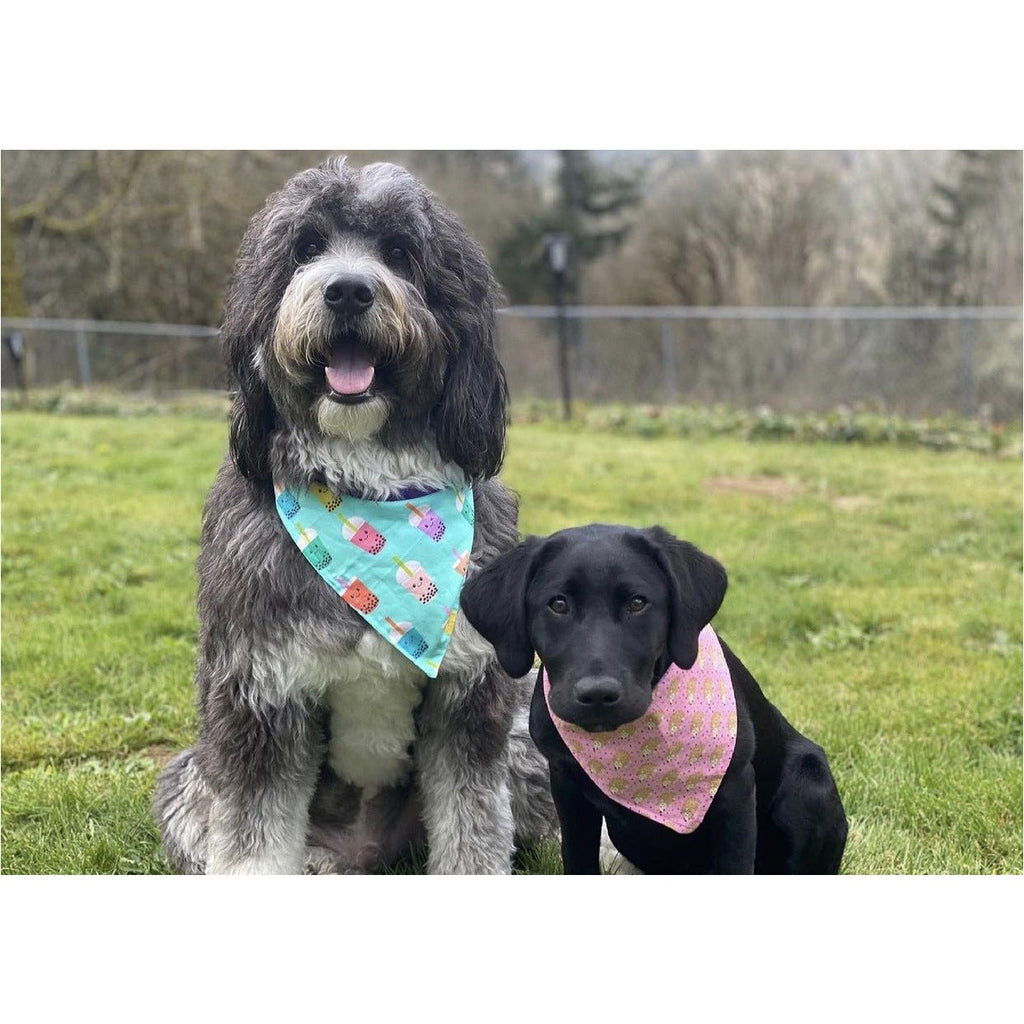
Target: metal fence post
point(967, 366)
point(668, 362)
point(563, 351)
point(557, 250)
point(82, 344)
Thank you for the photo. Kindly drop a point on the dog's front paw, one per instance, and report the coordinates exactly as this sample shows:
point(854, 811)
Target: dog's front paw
point(469, 866)
point(481, 854)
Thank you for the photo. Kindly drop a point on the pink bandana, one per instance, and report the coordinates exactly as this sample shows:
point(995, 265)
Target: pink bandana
point(668, 764)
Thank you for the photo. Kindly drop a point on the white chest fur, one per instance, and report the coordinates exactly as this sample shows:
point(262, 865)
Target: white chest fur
point(372, 699)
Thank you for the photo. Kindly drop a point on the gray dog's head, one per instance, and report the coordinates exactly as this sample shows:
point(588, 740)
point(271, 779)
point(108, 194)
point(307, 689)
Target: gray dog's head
point(361, 308)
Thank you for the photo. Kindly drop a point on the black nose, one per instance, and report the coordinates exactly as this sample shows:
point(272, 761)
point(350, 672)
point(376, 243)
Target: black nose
point(350, 293)
point(597, 692)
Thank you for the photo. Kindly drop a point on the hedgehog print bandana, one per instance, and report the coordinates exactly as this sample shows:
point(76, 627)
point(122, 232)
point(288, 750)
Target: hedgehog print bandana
point(400, 564)
point(666, 765)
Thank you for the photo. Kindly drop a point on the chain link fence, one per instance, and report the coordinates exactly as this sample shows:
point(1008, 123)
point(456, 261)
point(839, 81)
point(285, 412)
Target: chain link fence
point(911, 361)
point(156, 358)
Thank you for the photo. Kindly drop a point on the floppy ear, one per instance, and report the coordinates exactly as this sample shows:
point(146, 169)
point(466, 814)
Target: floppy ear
point(697, 586)
point(252, 415)
point(471, 417)
point(247, 314)
point(494, 600)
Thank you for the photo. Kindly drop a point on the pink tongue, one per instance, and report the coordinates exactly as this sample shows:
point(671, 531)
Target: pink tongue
point(350, 371)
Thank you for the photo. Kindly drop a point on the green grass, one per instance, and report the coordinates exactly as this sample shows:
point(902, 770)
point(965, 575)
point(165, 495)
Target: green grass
point(875, 591)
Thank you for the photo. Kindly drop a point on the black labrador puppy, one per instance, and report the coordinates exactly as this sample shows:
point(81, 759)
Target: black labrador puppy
point(647, 719)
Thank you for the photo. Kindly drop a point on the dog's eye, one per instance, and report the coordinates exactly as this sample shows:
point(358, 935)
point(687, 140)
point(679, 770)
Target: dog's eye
point(308, 248)
point(396, 255)
point(558, 605)
point(637, 603)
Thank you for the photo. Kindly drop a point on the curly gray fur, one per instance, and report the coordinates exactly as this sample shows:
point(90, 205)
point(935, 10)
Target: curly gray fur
point(301, 760)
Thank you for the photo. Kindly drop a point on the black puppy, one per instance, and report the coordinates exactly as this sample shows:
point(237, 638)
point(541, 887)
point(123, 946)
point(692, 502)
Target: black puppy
point(618, 617)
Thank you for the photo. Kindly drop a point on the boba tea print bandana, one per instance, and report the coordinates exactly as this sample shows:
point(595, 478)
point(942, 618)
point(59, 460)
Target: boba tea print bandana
point(400, 564)
point(668, 764)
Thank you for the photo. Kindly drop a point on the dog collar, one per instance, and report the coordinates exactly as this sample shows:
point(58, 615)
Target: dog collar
point(399, 563)
point(409, 494)
point(666, 765)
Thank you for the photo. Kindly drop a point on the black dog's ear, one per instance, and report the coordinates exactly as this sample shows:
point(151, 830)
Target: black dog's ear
point(252, 415)
point(697, 585)
point(494, 600)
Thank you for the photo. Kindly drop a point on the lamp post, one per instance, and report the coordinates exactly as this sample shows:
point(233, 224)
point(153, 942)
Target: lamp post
point(15, 342)
point(556, 248)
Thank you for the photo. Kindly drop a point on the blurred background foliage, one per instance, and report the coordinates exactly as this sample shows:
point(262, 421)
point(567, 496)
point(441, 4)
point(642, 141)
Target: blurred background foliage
point(151, 236)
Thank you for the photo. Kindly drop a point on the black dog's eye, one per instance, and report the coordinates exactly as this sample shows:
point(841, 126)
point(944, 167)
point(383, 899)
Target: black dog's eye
point(308, 248)
point(558, 605)
point(637, 603)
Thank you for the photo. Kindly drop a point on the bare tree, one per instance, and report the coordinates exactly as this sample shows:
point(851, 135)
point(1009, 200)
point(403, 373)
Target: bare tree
point(136, 236)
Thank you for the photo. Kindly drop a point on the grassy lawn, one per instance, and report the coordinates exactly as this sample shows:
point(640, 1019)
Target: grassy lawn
point(874, 591)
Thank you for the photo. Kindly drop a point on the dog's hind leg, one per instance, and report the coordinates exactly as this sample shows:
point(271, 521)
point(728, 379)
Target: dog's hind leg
point(181, 808)
point(805, 829)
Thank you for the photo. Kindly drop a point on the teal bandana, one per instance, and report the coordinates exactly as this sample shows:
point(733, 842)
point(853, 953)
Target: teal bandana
point(400, 564)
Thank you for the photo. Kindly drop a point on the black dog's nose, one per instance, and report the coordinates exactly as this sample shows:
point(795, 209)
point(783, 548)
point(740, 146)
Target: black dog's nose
point(350, 293)
point(597, 691)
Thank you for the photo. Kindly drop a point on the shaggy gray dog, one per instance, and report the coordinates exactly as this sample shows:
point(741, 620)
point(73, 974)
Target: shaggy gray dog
point(359, 328)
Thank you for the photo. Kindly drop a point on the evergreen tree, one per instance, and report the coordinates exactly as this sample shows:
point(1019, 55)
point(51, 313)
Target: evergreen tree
point(957, 270)
point(591, 203)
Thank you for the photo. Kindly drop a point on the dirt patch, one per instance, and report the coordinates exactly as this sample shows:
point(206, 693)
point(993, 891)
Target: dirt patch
point(780, 489)
point(763, 486)
point(158, 753)
point(853, 502)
